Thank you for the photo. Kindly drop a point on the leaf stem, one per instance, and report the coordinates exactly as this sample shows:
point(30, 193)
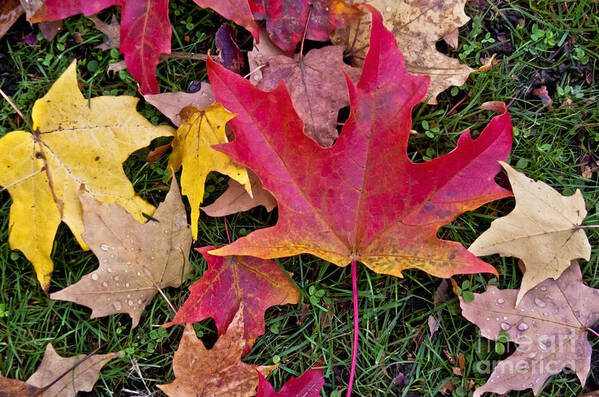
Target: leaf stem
point(11, 103)
point(354, 280)
point(593, 332)
point(168, 302)
point(227, 230)
point(301, 52)
point(255, 70)
point(587, 226)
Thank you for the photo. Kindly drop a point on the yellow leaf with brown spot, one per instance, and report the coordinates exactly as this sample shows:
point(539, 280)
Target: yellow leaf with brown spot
point(75, 142)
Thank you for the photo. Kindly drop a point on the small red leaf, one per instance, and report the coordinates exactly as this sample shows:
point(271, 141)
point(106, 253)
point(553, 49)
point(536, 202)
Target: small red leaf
point(231, 281)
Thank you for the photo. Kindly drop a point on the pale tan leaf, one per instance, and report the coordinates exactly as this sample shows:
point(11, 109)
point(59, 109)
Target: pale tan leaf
point(171, 103)
point(82, 378)
point(135, 259)
point(236, 198)
point(542, 230)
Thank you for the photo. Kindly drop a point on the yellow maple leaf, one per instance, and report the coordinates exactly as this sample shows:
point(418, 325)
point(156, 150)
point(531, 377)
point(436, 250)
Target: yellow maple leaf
point(75, 142)
point(192, 150)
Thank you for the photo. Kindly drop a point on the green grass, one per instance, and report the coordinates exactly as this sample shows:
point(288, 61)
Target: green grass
point(548, 145)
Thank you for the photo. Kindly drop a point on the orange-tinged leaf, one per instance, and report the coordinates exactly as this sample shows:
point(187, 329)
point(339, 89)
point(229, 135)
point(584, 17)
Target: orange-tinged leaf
point(10, 11)
point(218, 372)
point(361, 199)
point(233, 282)
point(17, 388)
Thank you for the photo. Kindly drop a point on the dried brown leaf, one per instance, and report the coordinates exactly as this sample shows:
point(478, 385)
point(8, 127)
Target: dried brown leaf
point(171, 103)
point(136, 260)
point(236, 198)
point(10, 11)
point(216, 372)
point(82, 378)
point(316, 84)
point(112, 31)
point(17, 388)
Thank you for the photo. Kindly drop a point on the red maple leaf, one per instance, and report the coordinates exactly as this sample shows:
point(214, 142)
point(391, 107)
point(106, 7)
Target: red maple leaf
point(145, 28)
point(361, 199)
point(307, 385)
point(231, 281)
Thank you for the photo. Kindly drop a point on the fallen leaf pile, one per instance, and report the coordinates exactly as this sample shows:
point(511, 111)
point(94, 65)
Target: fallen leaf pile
point(345, 197)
